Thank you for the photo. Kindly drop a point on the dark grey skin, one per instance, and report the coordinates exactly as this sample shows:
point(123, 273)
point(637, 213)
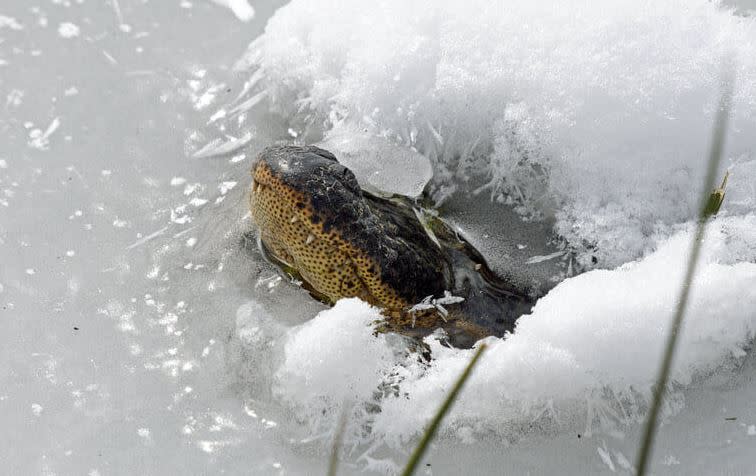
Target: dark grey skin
point(411, 261)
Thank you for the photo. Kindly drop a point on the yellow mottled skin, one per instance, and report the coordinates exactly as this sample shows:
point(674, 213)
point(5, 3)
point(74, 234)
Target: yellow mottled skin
point(331, 265)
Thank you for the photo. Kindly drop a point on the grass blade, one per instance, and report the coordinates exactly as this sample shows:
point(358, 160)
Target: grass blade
point(706, 210)
point(338, 437)
point(430, 432)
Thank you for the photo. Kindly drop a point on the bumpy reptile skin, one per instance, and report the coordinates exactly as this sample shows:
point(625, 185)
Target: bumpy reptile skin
point(313, 217)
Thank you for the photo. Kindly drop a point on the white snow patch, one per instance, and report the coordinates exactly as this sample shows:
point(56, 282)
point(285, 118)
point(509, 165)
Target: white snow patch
point(606, 457)
point(41, 140)
point(559, 109)
point(331, 359)
point(10, 23)
point(670, 460)
point(15, 97)
point(592, 343)
point(225, 187)
point(241, 8)
point(68, 30)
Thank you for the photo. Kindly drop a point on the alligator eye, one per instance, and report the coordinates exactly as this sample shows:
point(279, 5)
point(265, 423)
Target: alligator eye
point(344, 175)
point(338, 169)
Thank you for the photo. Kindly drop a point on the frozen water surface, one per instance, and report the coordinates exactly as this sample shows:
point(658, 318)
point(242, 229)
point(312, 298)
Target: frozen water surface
point(144, 334)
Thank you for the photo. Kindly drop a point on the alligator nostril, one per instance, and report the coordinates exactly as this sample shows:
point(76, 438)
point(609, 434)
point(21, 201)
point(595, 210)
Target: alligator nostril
point(344, 175)
point(338, 169)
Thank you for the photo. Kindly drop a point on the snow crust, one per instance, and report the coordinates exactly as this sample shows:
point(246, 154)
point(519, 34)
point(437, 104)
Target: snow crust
point(600, 116)
point(596, 116)
point(584, 359)
point(241, 8)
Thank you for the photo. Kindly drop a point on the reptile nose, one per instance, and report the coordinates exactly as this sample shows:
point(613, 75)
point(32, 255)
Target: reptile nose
point(344, 175)
point(338, 169)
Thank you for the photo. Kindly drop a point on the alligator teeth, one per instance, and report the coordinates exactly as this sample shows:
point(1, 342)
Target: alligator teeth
point(310, 239)
point(293, 219)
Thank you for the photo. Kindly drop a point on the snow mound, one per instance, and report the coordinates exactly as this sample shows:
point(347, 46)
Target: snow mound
point(333, 359)
point(598, 115)
point(586, 357)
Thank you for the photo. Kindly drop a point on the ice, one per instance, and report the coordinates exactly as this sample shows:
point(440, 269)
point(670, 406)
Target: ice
point(599, 116)
point(10, 22)
point(68, 30)
point(241, 8)
point(375, 161)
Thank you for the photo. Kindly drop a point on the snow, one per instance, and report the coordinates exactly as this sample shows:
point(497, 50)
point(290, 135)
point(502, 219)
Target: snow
point(332, 359)
point(10, 23)
point(241, 8)
point(143, 331)
point(600, 333)
point(600, 116)
point(68, 30)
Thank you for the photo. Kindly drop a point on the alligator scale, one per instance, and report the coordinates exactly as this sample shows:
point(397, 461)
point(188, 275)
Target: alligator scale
point(317, 224)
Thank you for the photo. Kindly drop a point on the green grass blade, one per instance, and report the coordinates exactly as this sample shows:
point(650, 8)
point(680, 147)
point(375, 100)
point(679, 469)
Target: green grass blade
point(430, 432)
point(706, 210)
point(716, 198)
point(338, 437)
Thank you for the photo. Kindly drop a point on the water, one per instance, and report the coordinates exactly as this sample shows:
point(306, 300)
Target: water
point(140, 335)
